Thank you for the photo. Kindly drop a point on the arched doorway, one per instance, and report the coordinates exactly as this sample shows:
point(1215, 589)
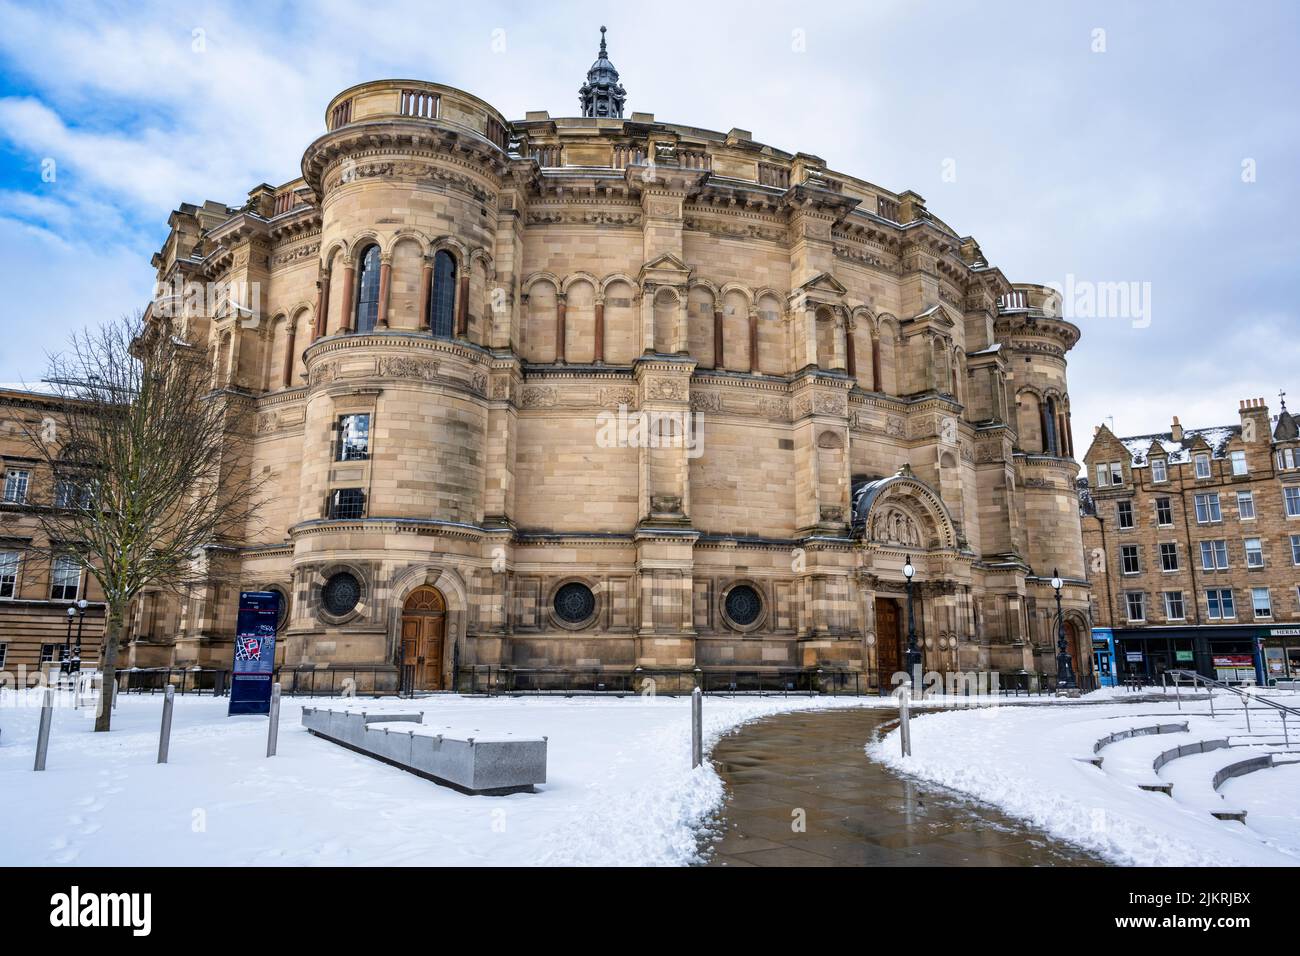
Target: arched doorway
point(424, 626)
point(889, 642)
point(1074, 646)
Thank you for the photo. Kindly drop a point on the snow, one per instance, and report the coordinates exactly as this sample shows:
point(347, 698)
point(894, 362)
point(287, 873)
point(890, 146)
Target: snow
point(1275, 812)
point(620, 788)
point(1216, 436)
point(1034, 764)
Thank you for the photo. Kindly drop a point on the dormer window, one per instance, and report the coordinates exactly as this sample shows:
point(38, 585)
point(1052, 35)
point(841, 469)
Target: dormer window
point(1159, 471)
point(1202, 461)
point(1109, 473)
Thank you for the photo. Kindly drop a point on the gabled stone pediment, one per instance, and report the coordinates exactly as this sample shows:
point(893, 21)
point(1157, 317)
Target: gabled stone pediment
point(937, 315)
point(821, 289)
point(823, 282)
point(665, 269)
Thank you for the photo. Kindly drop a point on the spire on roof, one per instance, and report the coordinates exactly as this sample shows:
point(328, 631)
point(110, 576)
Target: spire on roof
point(602, 95)
point(1286, 428)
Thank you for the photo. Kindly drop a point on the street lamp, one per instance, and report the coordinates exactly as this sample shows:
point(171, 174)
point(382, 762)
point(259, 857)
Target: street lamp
point(913, 652)
point(1064, 672)
point(65, 667)
point(81, 622)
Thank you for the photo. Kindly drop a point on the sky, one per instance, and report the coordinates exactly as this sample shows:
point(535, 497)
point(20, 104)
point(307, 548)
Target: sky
point(1147, 147)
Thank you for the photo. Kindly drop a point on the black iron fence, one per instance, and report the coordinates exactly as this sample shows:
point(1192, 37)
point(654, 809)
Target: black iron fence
point(491, 680)
point(294, 681)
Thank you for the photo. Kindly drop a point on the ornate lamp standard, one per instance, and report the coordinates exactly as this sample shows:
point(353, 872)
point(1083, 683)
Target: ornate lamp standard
point(913, 655)
point(81, 622)
point(1064, 672)
point(65, 667)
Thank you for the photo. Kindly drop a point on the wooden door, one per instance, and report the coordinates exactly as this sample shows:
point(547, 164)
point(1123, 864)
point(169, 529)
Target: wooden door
point(889, 640)
point(424, 617)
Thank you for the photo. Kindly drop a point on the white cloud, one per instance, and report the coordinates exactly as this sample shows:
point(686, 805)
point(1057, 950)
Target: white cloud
point(1121, 166)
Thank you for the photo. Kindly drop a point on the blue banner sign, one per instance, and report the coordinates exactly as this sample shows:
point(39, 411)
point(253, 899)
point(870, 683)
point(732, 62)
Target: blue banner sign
point(254, 665)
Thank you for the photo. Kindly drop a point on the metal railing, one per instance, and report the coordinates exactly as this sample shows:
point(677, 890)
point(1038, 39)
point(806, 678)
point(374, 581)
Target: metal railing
point(493, 680)
point(308, 681)
point(1246, 696)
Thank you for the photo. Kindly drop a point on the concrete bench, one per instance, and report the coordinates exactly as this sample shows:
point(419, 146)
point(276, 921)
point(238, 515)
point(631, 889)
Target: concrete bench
point(491, 765)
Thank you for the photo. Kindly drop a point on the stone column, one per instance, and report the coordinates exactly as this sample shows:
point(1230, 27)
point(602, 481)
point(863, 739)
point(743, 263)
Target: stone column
point(753, 340)
point(288, 351)
point(600, 329)
point(875, 365)
point(349, 279)
point(426, 287)
point(850, 351)
point(682, 336)
point(385, 278)
point(561, 314)
point(718, 360)
point(322, 304)
point(462, 305)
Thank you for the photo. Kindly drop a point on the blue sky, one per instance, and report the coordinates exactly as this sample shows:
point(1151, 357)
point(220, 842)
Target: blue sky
point(1070, 155)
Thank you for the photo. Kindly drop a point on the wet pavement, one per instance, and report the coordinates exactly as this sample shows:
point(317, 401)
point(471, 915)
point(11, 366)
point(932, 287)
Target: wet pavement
point(855, 811)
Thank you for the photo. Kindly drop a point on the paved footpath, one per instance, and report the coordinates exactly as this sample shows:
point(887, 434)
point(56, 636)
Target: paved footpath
point(857, 812)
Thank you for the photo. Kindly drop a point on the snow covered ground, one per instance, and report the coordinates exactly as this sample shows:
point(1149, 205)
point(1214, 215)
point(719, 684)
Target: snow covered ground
point(1033, 763)
point(619, 785)
point(619, 788)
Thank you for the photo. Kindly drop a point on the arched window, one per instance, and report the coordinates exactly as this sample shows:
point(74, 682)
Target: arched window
point(368, 290)
point(1051, 444)
point(442, 303)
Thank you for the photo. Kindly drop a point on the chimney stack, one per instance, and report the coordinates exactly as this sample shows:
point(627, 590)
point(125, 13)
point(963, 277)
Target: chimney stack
point(1176, 432)
point(1254, 419)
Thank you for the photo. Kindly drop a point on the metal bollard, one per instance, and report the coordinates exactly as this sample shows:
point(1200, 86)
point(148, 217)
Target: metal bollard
point(165, 732)
point(905, 717)
point(273, 732)
point(43, 734)
point(697, 728)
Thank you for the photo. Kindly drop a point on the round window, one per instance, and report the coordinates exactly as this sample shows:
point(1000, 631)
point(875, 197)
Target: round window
point(574, 603)
point(743, 605)
point(341, 593)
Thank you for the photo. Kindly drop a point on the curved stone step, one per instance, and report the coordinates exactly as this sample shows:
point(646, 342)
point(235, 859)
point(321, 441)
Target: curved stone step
point(1195, 777)
point(1131, 732)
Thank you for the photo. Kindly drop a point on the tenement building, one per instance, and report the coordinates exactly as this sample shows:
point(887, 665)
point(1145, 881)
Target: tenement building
point(49, 604)
point(1193, 547)
point(604, 392)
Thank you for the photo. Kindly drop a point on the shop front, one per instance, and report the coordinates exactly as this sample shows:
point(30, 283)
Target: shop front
point(1282, 654)
point(1231, 655)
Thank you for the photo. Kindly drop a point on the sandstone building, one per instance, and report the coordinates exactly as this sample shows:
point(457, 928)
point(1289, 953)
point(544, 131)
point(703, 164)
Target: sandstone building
point(442, 336)
point(1193, 546)
point(39, 586)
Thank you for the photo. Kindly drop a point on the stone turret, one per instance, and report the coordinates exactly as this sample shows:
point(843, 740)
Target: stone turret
point(602, 95)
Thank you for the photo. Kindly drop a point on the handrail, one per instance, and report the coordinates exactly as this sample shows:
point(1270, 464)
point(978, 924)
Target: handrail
point(1210, 682)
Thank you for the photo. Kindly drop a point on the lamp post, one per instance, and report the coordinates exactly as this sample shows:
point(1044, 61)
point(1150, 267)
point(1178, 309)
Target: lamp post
point(81, 622)
point(1064, 671)
point(913, 652)
point(65, 666)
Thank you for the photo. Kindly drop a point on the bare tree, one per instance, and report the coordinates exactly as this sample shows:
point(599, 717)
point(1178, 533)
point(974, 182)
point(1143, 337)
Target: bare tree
point(150, 467)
